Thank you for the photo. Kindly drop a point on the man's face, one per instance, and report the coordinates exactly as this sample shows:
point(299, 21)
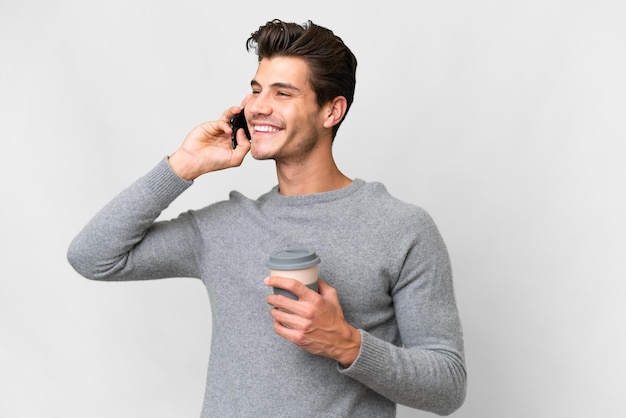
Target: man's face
point(285, 120)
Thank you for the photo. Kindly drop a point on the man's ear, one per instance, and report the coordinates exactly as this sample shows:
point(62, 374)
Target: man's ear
point(335, 110)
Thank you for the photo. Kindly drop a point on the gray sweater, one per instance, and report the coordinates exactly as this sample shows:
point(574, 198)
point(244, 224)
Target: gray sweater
point(386, 259)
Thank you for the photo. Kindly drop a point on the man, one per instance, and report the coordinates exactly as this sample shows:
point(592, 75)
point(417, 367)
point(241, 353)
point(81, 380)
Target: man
point(383, 327)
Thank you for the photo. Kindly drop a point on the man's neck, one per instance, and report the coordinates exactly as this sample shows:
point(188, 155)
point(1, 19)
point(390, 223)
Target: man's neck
point(310, 177)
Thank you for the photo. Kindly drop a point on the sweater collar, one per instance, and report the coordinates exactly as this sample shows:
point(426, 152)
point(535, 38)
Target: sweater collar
point(273, 197)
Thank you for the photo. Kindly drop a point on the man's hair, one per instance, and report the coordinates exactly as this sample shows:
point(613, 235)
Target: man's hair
point(331, 64)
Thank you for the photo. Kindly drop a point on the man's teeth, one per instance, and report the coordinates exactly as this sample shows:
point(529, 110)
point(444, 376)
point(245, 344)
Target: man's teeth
point(265, 128)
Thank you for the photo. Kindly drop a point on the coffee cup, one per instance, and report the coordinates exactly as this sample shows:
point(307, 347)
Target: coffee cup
point(298, 264)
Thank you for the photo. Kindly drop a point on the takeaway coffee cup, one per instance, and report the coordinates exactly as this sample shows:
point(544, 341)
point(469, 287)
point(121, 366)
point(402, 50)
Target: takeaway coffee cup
point(299, 264)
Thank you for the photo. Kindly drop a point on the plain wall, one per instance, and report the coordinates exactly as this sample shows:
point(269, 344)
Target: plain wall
point(504, 120)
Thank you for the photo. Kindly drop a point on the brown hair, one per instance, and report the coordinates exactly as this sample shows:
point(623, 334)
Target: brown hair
point(332, 66)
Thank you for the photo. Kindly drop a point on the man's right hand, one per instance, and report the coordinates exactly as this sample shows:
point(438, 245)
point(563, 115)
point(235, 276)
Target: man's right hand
point(208, 147)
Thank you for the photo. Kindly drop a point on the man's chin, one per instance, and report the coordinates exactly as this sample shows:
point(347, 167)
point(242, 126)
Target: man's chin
point(260, 155)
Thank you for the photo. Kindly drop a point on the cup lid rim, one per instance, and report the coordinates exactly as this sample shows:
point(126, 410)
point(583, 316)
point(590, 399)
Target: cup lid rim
point(293, 259)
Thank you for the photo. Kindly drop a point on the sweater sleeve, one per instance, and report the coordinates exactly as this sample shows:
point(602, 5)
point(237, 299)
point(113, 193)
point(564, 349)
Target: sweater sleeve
point(427, 371)
point(123, 241)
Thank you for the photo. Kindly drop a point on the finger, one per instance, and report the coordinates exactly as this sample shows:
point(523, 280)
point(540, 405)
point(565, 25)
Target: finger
point(283, 303)
point(242, 140)
point(217, 129)
point(285, 319)
point(282, 329)
point(282, 316)
point(291, 285)
point(230, 112)
point(280, 282)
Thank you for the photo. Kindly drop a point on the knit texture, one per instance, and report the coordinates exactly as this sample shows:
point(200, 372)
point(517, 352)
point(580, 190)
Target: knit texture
point(385, 257)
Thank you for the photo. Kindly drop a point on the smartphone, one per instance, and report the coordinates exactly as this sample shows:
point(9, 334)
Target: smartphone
point(237, 122)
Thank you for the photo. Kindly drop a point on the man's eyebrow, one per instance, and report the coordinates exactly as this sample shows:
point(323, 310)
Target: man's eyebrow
point(277, 85)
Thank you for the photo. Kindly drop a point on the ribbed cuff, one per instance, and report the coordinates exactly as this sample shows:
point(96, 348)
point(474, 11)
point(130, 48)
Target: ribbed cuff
point(369, 363)
point(164, 183)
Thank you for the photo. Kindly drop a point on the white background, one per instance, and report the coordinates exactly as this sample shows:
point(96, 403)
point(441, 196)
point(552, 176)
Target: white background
point(505, 120)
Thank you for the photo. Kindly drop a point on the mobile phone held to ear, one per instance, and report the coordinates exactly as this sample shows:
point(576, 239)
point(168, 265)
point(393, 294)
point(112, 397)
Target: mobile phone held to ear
point(237, 122)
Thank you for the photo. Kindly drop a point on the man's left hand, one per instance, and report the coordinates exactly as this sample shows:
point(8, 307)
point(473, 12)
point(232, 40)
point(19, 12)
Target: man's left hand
point(315, 321)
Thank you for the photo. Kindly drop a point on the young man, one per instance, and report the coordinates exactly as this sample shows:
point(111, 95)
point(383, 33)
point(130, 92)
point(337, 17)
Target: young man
point(383, 327)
